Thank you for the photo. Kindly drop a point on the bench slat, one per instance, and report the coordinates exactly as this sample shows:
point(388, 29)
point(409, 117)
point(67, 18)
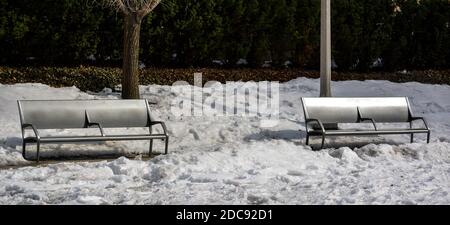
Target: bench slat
point(369, 132)
point(345, 110)
point(66, 114)
point(95, 138)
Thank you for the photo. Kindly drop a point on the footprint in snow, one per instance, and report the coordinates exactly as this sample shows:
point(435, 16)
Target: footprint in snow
point(295, 173)
point(288, 103)
point(257, 200)
point(202, 180)
point(194, 134)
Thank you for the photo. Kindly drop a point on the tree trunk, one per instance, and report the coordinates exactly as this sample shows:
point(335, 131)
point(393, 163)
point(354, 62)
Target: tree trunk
point(130, 77)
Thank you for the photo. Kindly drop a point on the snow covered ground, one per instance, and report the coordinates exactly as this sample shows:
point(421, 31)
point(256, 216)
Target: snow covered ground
point(232, 160)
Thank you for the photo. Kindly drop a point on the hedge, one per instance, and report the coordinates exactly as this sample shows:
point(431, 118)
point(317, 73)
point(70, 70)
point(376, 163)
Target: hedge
point(98, 78)
point(397, 34)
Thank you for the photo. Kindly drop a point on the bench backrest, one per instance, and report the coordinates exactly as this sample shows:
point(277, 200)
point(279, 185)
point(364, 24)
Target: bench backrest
point(345, 110)
point(60, 114)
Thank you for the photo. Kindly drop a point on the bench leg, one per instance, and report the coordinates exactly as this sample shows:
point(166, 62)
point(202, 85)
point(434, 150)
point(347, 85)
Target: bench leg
point(428, 137)
point(24, 154)
point(307, 139)
point(37, 151)
point(323, 141)
point(38, 146)
point(412, 135)
point(166, 150)
point(150, 148)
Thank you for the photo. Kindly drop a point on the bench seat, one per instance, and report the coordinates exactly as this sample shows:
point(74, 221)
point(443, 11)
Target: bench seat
point(68, 139)
point(367, 132)
point(322, 115)
point(36, 115)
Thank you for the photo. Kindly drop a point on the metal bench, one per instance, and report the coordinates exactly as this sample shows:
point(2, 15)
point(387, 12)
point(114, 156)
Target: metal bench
point(38, 115)
point(320, 111)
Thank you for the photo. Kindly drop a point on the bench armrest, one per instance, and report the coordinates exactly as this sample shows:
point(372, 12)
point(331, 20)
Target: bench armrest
point(35, 130)
point(163, 125)
point(371, 120)
point(307, 121)
point(419, 118)
point(99, 127)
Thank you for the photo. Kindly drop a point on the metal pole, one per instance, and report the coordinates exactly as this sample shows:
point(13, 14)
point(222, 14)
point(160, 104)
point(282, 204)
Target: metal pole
point(325, 54)
point(325, 49)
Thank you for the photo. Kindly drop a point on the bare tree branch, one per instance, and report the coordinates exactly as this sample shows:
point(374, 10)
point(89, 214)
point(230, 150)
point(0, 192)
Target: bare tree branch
point(149, 6)
point(118, 5)
point(142, 7)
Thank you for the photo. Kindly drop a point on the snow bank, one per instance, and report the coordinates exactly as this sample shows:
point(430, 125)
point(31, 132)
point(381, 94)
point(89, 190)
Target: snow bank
point(232, 160)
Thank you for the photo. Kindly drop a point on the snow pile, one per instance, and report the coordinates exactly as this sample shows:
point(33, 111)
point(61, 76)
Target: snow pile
point(232, 160)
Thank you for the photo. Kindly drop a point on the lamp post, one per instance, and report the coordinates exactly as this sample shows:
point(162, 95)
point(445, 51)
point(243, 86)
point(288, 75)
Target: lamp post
point(325, 48)
point(325, 54)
